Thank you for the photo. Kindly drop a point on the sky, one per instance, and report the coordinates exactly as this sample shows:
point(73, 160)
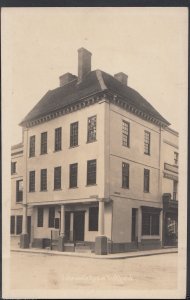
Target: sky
point(40, 44)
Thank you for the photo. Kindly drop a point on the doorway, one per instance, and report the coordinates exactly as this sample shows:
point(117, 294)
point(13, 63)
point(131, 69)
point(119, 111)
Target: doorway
point(78, 226)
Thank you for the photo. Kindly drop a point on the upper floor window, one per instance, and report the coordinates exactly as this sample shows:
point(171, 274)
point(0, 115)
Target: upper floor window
point(40, 219)
point(32, 146)
point(51, 222)
point(19, 190)
point(32, 181)
point(43, 142)
point(125, 133)
point(13, 167)
point(57, 178)
point(147, 142)
point(74, 134)
point(93, 218)
point(58, 139)
point(91, 129)
point(146, 180)
point(176, 155)
point(73, 175)
point(91, 172)
point(43, 184)
point(125, 175)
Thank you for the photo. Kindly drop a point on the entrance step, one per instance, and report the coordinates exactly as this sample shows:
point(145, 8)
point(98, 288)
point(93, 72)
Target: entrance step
point(70, 247)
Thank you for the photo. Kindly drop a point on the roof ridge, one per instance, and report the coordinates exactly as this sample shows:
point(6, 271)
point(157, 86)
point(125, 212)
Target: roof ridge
point(101, 80)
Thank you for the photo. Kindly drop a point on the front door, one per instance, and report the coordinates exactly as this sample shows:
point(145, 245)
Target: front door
point(79, 225)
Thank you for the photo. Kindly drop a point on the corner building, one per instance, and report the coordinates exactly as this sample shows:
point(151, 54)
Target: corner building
point(92, 167)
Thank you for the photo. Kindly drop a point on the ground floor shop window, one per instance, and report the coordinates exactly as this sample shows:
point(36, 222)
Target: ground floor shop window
point(93, 218)
point(18, 224)
point(150, 223)
point(12, 224)
point(51, 222)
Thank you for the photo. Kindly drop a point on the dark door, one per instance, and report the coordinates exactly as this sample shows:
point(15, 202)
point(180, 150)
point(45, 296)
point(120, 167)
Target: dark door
point(134, 226)
point(29, 227)
point(67, 225)
point(79, 226)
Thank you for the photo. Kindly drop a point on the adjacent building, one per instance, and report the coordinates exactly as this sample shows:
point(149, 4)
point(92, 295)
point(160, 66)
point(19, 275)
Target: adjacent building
point(97, 168)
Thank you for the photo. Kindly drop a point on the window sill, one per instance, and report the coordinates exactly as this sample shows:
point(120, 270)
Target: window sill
point(89, 142)
point(125, 146)
point(125, 188)
point(19, 202)
point(147, 154)
point(150, 237)
point(57, 150)
point(15, 173)
point(74, 187)
point(146, 192)
point(92, 184)
point(57, 189)
point(71, 147)
point(43, 153)
point(43, 190)
point(31, 191)
point(32, 156)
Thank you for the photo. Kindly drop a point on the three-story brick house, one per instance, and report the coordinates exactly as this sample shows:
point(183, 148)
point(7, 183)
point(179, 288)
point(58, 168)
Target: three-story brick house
point(92, 166)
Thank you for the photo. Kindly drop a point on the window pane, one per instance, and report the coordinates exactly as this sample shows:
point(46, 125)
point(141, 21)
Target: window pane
point(73, 175)
point(146, 180)
point(91, 129)
point(19, 190)
point(57, 178)
point(13, 167)
point(155, 224)
point(93, 218)
point(32, 146)
point(51, 217)
point(74, 134)
point(147, 142)
point(91, 172)
point(12, 224)
point(43, 142)
point(43, 179)
point(18, 224)
point(40, 216)
point(146, 224)
point(125, 175)
point(125, 134)
point(58, 138)
point(31, 181)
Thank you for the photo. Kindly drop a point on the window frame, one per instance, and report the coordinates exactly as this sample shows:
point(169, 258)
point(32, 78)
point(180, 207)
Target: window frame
point(125, 134)
point(19, 193)
point(58, 139)
point(73, 176)
point(43, 145)
point(32, 146)
point(57, 178)
point(43, 182)
point(93, 219)
point(91, 172)
point(19, 218)
point(13, 167)
point(146, 181)
point(150, 218)
point(32, 181)
point(91, 130)
point(147, 142)
point(74, 131)
point(125, 177)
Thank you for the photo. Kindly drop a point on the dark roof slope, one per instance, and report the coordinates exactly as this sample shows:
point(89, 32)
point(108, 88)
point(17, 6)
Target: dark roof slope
point(95, 82)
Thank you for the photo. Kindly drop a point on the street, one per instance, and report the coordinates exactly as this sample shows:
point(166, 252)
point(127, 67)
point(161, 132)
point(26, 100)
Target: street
point(40, 271)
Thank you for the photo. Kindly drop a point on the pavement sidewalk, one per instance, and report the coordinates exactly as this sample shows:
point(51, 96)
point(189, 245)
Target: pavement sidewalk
point(92, 255)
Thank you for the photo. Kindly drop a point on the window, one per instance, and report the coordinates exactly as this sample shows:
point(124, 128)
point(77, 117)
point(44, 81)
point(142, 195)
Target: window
point(73, 175)
point(19, 190)
point(32, 181)
point(58, 140)
point(125, 175)
point(176, 158)
point(51, 217)
point(74, 134)
point(150, 223)
point(146, 180)
point(125, 134)
point(56, 223)
point(57, 178)
point(32, 146)
point(12, 225)
point(175, 183)
point(43, 142)
point(91, 172)
point(40, 217)
point(91, 129)
point(93, 218)
point(13, 167)
point(44, 180)
point(18, 224)
point(147, 142)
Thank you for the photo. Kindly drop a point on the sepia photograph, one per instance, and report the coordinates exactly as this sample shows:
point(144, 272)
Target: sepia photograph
point(94, 152)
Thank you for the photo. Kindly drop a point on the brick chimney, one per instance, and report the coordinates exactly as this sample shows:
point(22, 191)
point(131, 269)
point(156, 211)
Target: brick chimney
point(84, 63)
point(66, 78)
point(122, 77)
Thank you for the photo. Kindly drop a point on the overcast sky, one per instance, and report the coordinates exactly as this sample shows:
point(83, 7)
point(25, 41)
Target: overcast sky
point(148, 44)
